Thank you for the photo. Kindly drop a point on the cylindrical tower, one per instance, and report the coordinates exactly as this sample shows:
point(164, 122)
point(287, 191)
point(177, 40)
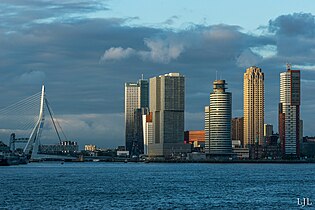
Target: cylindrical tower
point(220, 119)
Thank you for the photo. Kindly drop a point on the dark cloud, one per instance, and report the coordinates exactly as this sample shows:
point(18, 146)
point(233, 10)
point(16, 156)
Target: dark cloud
point(85, 62)
point(294, 25)
point(295, 36)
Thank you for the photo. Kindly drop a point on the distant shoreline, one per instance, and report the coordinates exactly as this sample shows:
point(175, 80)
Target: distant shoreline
point(236, 161)
point(204, 161)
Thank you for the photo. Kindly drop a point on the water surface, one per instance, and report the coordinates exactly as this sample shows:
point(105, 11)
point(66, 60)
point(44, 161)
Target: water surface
point(156, 186)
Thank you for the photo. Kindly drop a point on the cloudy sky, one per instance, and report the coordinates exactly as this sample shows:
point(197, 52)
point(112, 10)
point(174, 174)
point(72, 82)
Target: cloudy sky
point(84, 51)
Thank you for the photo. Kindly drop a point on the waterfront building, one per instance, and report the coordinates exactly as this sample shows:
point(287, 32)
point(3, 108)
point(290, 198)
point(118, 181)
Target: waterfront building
point(207, 129)
point(238, 130)
point(268, 130)
point(63, 148)
point(90, 147)
point(240, 153)
point(220, 113)
point(167, 103)
point(138, 137)
point(253, 106)
point(196, 139)
point(136, 97)
point(147, 132)
point(289, 112)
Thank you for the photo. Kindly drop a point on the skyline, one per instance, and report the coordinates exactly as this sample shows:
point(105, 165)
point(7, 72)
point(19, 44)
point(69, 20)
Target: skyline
point(93, 57)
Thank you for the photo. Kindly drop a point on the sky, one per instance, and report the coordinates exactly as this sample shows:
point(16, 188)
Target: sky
point(84, 51)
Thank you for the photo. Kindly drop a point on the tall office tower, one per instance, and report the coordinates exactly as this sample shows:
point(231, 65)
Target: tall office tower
point(289, 112)
point(253, 106)
point(167, 102)
point(138, 135)
point(207, 129)
point(268, 130)
point(238, 129)
point(220, 112)
point(147, 131)
point(136, 97)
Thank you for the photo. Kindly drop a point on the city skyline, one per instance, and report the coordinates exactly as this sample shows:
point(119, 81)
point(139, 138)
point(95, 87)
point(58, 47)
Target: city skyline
point(84, 52)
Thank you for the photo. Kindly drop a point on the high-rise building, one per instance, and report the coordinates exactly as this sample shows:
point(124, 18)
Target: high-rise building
point(289, 112)
point(167, 103)
point(268, 130)
point(207, 129)
point(220, 113)
point(138, 135)
point(238, 129)
point(253, 106)
point(136, 97)
point(147, 132)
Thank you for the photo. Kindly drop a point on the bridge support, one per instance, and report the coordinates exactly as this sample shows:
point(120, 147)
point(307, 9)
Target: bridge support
point(33, 141)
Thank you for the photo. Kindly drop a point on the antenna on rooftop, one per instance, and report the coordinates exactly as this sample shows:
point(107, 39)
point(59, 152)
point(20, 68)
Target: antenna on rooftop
point(216, 75)
point(288, 66)
point(141, 76)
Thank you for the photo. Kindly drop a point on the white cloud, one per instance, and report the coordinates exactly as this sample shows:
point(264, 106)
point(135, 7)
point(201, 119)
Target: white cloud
point(248, 58)
point(117, 53)
point(161, 51)
point(305, 67)
point(265, 51)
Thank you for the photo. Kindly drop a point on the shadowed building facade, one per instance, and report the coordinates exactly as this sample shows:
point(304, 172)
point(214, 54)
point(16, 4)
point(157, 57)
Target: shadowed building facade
point(167, 104)
point(253, 106)
point(238, 129)
point(289, 112)
point(136, 104)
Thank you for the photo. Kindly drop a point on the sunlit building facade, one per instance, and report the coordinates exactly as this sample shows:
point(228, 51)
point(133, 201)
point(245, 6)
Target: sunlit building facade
point(220, 113)
point(289, 112)
point(167, 103)
point(253, 106)
point(136, 101)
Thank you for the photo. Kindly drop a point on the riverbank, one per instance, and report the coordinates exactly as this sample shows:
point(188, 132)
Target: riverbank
point(233, 161)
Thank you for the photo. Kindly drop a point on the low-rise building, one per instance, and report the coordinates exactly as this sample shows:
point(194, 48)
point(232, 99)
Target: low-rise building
point(196, 138)
point(240, 153)
point(65, 147)
point(90, 147)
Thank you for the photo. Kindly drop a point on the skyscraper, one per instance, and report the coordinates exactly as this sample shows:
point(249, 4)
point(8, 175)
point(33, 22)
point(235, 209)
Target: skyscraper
point(289, 112)
point(136, 97)
point(147, 131)
point(220, 112)
point(167, 103)
point(238, 129)
point(253, 106)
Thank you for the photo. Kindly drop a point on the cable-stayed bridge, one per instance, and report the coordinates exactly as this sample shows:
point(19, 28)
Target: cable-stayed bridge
point(24, 122)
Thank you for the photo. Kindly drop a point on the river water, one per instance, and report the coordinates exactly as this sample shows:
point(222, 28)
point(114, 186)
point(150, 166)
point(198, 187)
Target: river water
point(156, 186)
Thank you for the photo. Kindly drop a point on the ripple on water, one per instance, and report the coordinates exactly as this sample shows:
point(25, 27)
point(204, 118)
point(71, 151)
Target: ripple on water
point(155, 186)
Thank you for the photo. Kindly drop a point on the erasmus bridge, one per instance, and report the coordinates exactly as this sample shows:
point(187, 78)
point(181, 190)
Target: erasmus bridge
point(25, 119)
